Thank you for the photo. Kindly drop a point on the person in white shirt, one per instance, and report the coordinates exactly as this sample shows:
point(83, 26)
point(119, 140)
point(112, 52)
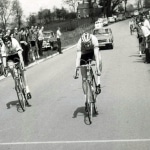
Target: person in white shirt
point(40, 40)
point(58, 35)
point(146, 34)
point(146, 22)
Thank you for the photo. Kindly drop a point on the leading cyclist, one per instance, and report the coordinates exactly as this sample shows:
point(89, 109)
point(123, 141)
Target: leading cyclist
point(88, 48)
point(12, 52)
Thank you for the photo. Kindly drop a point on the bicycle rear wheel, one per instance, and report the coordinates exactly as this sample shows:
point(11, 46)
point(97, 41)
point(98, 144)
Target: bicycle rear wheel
point(90, 102)
point(93, 92)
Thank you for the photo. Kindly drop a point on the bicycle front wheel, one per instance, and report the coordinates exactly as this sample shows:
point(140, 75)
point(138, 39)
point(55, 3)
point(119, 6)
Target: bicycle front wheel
point(20, 94)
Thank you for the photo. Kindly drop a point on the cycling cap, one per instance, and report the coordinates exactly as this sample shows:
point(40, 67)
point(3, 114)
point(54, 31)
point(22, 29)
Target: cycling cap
point(6, 38)
point(86, 37)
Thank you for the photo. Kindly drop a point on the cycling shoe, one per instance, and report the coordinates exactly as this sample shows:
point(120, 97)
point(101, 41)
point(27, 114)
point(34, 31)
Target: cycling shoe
point(98, 89)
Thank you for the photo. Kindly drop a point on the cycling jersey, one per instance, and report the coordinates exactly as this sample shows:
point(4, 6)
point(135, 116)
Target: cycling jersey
point(89, 47)
point(15, 47)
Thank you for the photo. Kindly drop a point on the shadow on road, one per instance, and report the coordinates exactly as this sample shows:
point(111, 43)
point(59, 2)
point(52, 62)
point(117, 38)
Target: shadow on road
point(16, 104)
point(12, 103)
point(82, 112)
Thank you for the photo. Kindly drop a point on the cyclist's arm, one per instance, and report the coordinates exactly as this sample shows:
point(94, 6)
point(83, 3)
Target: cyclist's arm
point(3, 54)
point(78, 57)
point(19, 51)
point(97, 56)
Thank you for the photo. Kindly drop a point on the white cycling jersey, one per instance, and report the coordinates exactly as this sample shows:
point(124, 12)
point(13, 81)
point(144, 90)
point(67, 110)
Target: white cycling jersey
point(94, 44)
point(15, 47)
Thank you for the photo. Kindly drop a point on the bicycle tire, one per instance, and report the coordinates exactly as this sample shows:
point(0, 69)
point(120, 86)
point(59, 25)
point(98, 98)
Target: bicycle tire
point(20, 91)
point(89, 102)
point(23, 89)
point(21, 98)
point(93, 92)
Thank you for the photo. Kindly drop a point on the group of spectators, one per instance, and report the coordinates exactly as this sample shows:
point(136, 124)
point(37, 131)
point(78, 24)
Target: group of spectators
point(142, 25)
point(30, 39)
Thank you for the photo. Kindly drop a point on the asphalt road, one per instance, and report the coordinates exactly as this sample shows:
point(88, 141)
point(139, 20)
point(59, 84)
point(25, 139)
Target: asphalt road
point(124, 104)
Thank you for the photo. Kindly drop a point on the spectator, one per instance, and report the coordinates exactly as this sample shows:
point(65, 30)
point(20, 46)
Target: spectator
point(24, 45)
point(32, 42)
point(1, 43)
point(58, 35)
point(146, 34)
point(16, 34)
point(40, 41)
point(36, 42)
point(146, 22)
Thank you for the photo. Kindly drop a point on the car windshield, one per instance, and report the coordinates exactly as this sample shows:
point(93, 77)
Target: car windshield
point(101, 31)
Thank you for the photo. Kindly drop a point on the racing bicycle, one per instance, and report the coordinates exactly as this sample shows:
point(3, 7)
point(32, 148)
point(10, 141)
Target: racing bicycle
point(14, 68)
point(91, 90)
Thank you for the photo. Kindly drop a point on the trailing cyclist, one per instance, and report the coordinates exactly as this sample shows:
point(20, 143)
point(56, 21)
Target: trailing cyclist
point(12, 53)
point(88, 48)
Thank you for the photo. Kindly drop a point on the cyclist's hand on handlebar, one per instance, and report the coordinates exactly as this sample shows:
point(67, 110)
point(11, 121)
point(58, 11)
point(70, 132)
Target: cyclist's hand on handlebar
point(22, 66)
point(76, 76)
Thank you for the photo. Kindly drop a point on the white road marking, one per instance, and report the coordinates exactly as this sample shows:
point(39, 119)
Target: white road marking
point(79, 142)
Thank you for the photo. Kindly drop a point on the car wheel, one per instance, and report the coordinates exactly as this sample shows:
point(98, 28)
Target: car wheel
point(111, 46)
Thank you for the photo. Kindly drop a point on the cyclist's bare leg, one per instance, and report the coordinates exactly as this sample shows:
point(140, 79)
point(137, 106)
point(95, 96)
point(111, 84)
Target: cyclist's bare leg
point(100, 67)
point(84, 77)
point(11, 65)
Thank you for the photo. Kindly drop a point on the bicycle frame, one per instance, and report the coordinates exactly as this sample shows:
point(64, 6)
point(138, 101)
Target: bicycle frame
point(14, 68)
point(90, 91)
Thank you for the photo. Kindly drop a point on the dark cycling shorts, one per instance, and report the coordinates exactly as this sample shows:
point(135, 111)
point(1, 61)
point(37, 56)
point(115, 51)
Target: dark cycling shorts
point(32, 43)
point(140, 39)
point(85, 57)
point(15, 58)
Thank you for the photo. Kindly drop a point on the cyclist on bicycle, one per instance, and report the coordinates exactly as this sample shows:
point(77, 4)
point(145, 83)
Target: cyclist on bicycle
point(88, 48)
point(131, 25)
point(12, 52)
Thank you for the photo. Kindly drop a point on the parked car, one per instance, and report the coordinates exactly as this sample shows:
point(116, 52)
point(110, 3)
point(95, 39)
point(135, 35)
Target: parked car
point(105, 22)
point(99, 24)
point(104, 36)
point(111, 19)
point(50, 41)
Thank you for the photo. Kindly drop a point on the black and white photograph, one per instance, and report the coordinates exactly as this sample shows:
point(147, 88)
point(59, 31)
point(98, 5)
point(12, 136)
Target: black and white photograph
point(74, 74)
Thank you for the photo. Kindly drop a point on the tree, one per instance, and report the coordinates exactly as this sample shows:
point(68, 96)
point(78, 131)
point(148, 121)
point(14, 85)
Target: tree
point(46, 15)
point(32, 20)
point(40, 16)
point(109, 6)
point(6, 11)
point(130, 8)
point(17, 12)
point(71, 3)
point(146, 3)
point(125, 5)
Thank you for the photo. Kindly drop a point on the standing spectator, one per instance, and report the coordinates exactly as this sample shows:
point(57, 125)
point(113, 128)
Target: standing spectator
point(58, 35)
point(40, 41)
point(36, 32)
point(146, 22)
point(1, 43)
point(32, 42)
point(16, 34)
point(146, 34)
point(24, 45)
